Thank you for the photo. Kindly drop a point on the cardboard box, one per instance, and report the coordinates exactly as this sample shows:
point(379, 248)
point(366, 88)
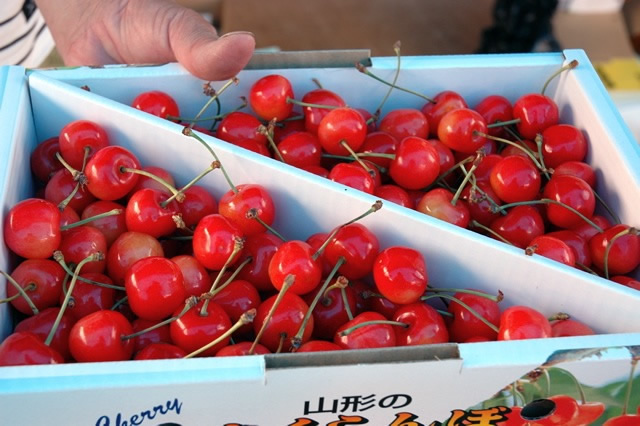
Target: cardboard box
point(421, 384)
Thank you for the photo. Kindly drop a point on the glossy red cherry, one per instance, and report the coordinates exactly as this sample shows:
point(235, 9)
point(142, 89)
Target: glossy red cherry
point(197, 203)
point(536, 112)
point(446, 157)
point(628, 281)
point(160, 351)
point(425, 325)
point(156, 102)
point(379, 142)
point(481, 202)
point(578, 169)
point(82, 241)
point(416, 165)
point(552, 248)
point(106, 174)
point(588, 413)
point(192, 331)
point(41, 279)
point(78, 136)
point(146, 212)
point(587, 230)
point(261, 248)
point(111, 226)
point(318, 346)
point(24, 348)
point(570, 327)
point(495, 108)
point(295, 258)
point(400, 274)
point(354, 176)
point(32, 228)
point(342, 126)
point(268, 97)
point(155, 287)
point(159, 334)
point(623, 420)
point(366, 336)
point(147, 182)
point(522, 322)
point(578, 244)
point(43, 160)
point(61, 185)
point(464, 325)
point(394, 194)
point(443, 102)
point(235, 206)
point(461, 130)
point(403, 122)
point(438, 203)
point(238, 126)
point(126, 250)
point(284, 323)
point(515, 179)
point(562, 143)
point(214, 240)
point(242, 349)
point(519, 226)
point(195, 277)
point(98, 337)
point(573, 192)
point(41, 324)
point(87, 298)
point(357, 245)
point(236, 298)
point(313, 115)
point(332, 309)
point(301, 149)
point(624, 253)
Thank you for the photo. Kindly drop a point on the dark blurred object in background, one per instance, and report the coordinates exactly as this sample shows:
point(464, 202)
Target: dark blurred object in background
point(520, 26)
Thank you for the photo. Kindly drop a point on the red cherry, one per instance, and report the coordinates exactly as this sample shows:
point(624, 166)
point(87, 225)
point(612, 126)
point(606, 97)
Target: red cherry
point(61, 185)
point(517, 148)
point(126, 250)
point(159, 334)
point(214, 240)
point(192, 330)
point(562, 143)
point(198, 203)
point(379, 142)
point(586, 230)
point(242, 349)
point(438, 203)
point(342, 126)
point(570, 327)
point(147, 182)
point(552, 248)
point(196, 279)
point(628, 281)
point(623, 420)
point(522, 322)
point(578, 244)
point(446, 156)
point(146, 212)
point(495, 108)
point(481, 204)
point(24, 348)
point(111, 226)
point(464, 325)
point(41, 324)
point(160, 351)
point(236, 298)
point(301, 149)
point(416, 165)
point(354, 176)
point(238, 126)
point(255, 146)
point(107, 179)
point(624, 253)
point(515, 179)
point(461, 130)
point(261, 248)
point(317, 170)
point(295, 258)
point(98, 337)
point(573, 192)
point(443, 102)
point(268, 97)
point(519, 226)
point(359, 248)
point(43, 160)
point(158, 103)
point(79, 242)
point(425, 325)
point(394, 194)
point(331, 310)
point(403, 122)
point(578, 169)
point(366, 336)
point(78, 136)
point(293, 124)
point(400, 274)
point(536, 112)
point(588, 412)
point(155, 288)
point(41, 279)
point(235, 206)
point(32, 228)
point(284, 323)
point(484, 167)
point(318, 346)
point(87, 298)
point(314, 115)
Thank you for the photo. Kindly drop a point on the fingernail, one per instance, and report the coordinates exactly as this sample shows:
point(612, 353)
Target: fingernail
point(232, 33)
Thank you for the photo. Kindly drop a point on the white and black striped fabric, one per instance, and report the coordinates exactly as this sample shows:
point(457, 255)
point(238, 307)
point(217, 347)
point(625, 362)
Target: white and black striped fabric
point(24, 37)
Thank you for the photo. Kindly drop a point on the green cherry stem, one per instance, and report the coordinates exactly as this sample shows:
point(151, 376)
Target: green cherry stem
point(188, 304)
point(474, 223)
point(544, 169)
point(497, 298)
point(75, 173)
point(356, 157)
point(549, 201)
point(187, 131)
point(113, 212)
point(605, 260)
point(22, 292)
point(310, 105)
point(396, 49)
point(365, 71)
point(517, 145)
point(234, 274)
point(569, 66)
point(288, 282)
point(238, 244)
point(350, 330)
point(91, 258)
point(467, 176)
point(61, 262)
point(503, 123)
point(267, 131)
point(213, 117)
point(179, 195)
point(214, 95)
point(464, 305)
point(158, 179)
point(63, 204)
point(245, 318)
point(253, 214)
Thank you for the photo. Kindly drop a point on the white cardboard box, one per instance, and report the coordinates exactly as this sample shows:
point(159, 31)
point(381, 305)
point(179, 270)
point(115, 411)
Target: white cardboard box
point(379, 385)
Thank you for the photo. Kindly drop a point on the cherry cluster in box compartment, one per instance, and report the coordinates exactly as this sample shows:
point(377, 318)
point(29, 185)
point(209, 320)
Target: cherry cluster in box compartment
point(117, 262)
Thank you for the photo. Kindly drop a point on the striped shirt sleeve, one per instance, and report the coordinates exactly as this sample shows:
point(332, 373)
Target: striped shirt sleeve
point(24, 37)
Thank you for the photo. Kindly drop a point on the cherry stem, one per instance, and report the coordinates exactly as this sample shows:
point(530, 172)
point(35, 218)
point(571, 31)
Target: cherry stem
point(119, 302)
point(350, 330)
point(396, 49)
point(21, 292)
point(267, 131)
point(213, 117)
point(477, 224)
point(374, 208)
point(345, 301)
point(467, 176)
point(179, 195)
point(365, 71)
point(113, 212)
point(515, 135)
point(497, 298)
point(443, 175)
point(585, 268)
point(297, 339)
point(158, 179)
point(214, 95)
point(310, 105)
point(245, 318)
point(75, 173)
point(288, 282)
point(569, 66)
point(355, 156)
point(212, 294)
point(94, 257)
point(238, 244)
point(605, 260)
point(503, 123)
point(544, 169)
point(63, 204)
point(188, 304)
point(473, 198)
point(61, 261)
point(609, 210)
point(550, 201)
point(517, 145)
point(253, 214)
point(187, 131)
point(317, 83)
point(464, 305)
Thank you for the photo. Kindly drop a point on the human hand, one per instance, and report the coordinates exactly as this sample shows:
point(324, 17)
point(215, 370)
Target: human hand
point(99, 32)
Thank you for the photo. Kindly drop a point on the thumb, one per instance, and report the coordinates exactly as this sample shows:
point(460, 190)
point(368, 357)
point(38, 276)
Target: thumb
point(198, 48)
